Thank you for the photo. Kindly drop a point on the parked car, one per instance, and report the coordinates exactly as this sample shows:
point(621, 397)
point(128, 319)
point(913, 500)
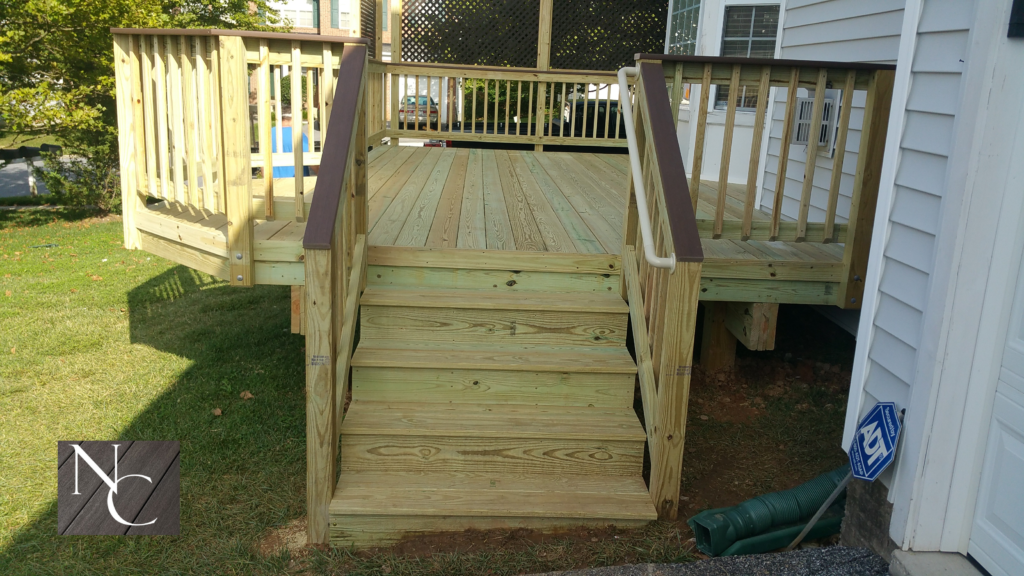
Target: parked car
point(427, 111)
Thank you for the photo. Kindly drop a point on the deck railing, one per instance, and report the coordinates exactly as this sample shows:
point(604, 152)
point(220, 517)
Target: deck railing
point(335, 265)
point(662, 302)
point(487, 104)
point(200, 117)
point(814, 136)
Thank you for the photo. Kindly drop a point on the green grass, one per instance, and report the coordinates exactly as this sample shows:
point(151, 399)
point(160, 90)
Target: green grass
point(98, 342)
point(33, 140)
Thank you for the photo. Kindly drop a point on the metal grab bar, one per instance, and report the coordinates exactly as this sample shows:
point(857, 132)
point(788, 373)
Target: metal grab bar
point(637, 174)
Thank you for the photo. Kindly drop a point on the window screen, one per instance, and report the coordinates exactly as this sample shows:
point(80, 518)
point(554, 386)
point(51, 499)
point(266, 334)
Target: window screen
point(748, 32)
point(682, 27)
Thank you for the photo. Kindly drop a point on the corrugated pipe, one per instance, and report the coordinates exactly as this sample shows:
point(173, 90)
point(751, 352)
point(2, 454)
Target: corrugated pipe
point(717, 530)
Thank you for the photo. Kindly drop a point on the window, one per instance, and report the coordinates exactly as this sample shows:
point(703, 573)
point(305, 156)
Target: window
point(748, 32)
point(385, 14)
point(682, 26)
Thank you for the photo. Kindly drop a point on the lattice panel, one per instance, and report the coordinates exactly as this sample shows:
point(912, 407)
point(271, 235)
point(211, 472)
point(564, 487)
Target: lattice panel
point(368, 23)
point(605, 34)
point(472, 32)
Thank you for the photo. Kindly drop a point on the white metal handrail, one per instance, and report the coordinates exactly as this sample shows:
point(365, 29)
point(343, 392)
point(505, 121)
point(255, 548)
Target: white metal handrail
point(637, 173)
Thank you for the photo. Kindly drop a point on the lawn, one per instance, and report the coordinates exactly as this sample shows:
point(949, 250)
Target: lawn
point(101, 343)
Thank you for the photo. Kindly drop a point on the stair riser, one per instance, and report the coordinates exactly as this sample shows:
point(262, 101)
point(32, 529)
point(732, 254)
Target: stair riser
point(490, 280)
point(503, 327)
point(492, 387)
point(360, 531)
point(380, 453)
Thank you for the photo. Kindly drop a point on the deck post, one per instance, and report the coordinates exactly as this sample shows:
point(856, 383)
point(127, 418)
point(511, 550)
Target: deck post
point(865, 188)
point(237, 170)
point(683, 289)
point(321, 445)
point(543, 52)
point(718, 344)
point(130, 136)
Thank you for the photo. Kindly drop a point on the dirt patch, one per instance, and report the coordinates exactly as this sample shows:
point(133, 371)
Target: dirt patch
point(290, 537)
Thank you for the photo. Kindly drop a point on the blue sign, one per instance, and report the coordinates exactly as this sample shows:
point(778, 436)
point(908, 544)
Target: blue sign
point(874, 446)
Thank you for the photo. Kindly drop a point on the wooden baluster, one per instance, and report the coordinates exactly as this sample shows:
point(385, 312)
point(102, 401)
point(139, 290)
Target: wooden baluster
point(497, 99)
point(755, 150)
point(327, 86)
point(698, 145)
point(189, 120)
point(677, 91)
point(310, 109)
point(278, 109)
point(561, 112)
point(529, 110)
point(217, 139)
point(473, 114)
point(295, 76)
point(865, 188)
point(787, 136)
point(837, 162)
point(508, 107)
point(519, 109)
point(176, 121)
point(395, 107)
point(607, 111)
point(572, 125)
point(586, 108)
point(486, 83)
point(149, 101)
point(723, 172)
point(597, 108)
point(812, 154)
point(264, 116)
point(551, 109)
point(206, 126)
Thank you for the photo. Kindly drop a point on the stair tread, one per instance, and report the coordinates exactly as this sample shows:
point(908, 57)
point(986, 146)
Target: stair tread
point(491, 421)
point(374, 493)
point(579, 359)
point(488, 300)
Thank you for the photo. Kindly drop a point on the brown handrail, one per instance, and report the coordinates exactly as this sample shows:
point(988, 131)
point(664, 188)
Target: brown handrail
point(681, 218)
point(336, 149)
point(241, 33)
point(765, 62)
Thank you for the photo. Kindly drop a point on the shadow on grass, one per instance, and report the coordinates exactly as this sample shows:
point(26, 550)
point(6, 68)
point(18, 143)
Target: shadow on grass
point(241, 472)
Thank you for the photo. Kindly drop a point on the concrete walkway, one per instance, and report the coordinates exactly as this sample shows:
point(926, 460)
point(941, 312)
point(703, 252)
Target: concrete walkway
point(829, 561)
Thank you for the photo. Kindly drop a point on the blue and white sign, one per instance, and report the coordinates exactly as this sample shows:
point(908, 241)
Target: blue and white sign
point(874, 446)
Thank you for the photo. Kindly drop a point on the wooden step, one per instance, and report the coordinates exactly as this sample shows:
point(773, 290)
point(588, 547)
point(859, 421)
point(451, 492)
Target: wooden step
point(490, 439)
point(510, 280)
point(374, 508)
point(493, 318)
point(598, 377)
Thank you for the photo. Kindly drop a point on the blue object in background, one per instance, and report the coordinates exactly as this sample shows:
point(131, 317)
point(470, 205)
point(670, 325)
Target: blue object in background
point(874, 444)
point(286, 135)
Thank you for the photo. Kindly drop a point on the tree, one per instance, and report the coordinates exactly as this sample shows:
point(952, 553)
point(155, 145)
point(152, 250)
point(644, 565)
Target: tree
point(57, 77)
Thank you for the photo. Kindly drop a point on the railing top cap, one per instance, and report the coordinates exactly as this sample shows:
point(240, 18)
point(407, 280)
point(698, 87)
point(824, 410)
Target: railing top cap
point(242, 33)
point(510, 69)
point(766, 62)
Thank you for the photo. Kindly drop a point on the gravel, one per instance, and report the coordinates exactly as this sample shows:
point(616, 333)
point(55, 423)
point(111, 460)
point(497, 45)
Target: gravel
point(827, 561)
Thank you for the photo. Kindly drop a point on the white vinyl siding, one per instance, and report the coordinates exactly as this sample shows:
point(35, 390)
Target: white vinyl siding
point(916, 212)
point(839, 30)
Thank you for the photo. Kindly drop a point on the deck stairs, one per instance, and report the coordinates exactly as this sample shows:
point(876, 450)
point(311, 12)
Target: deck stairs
point(489, 401)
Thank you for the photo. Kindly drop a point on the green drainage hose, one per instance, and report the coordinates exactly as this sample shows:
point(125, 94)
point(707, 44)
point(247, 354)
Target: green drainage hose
point(768, 518)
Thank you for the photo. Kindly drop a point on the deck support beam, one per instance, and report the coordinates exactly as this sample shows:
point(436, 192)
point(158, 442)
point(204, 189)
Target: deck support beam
point(718, 345)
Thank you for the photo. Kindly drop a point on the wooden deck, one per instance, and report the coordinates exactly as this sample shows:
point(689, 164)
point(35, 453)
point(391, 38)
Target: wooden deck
point(571, 203)
point(498, 200)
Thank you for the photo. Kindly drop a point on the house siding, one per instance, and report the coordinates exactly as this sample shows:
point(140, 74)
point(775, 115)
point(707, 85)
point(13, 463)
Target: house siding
point(920, 184)
point(839, 30)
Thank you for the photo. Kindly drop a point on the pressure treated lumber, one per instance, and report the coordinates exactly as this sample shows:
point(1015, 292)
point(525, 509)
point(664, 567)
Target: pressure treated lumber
point(753, 323)
point(718, 344)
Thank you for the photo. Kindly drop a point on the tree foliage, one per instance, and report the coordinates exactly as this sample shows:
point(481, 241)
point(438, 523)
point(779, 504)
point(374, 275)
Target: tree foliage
point(57, 76)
